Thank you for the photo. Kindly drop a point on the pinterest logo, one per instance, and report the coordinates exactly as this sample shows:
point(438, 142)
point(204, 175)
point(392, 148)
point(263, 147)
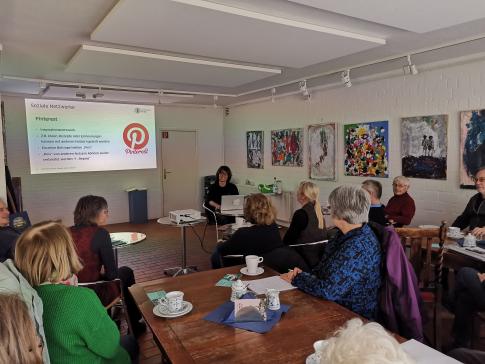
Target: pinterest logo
point(135, 136)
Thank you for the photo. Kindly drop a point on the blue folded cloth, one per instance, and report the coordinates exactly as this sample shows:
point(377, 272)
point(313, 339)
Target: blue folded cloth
point(224, 314)
point(480, 243)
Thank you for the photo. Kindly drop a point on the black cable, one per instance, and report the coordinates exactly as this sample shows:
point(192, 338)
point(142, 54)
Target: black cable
point(201, 240)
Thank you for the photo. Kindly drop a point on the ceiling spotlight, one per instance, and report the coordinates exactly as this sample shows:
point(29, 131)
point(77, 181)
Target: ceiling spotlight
point(302, 86)
point(345, 77)
point(215, 101)
point(98, 94)
point(273, 94)
point(80, 93)
point(410, 68)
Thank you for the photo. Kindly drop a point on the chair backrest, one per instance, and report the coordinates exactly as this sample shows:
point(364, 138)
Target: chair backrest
point(418, 242)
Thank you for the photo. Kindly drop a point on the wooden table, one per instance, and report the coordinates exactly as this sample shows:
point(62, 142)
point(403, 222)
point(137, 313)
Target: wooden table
point(457, 258)
point(190, 339)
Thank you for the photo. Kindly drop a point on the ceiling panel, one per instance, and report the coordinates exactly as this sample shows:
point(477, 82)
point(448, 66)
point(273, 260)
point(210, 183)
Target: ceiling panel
point(114, 62)
point(414, 15)
point(182, 28)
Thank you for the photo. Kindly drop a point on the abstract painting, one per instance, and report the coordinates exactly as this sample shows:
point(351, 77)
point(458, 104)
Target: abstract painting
point(321, 151)
point(255, 149)
point(472, 146)
point(287, 147)
point(366, 149)
point(424, 146)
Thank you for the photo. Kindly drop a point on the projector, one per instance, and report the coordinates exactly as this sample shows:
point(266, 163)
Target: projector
point(184, 216)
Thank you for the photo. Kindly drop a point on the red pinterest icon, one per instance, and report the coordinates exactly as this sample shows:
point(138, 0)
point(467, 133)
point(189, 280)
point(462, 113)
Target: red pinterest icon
point(135, 136)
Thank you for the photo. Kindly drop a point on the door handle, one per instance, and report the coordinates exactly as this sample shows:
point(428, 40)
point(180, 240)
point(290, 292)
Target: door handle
point(165, 172)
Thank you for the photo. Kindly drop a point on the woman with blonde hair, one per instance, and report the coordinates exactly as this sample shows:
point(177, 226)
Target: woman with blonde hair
point(258, 239)
point(307, 224)
point(77, 326)
point(19, 343)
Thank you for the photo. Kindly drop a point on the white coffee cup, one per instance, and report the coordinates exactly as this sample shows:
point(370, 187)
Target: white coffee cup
point(454, 231)
point(173, 301)
point(239, 221)
point(252, 262)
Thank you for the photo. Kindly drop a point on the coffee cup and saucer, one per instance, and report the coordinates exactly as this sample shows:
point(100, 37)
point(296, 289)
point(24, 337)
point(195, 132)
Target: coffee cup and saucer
point(316, 357)
point(172, 305)
point(251, 268)
point(454, 233)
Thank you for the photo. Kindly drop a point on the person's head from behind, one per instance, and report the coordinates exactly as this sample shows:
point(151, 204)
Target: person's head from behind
point(374, 188)
point(356, 343)
point(479, 179)
point(223, 175)
point(259, 210)
point(400, 185)
point(310, 192)
point(4, 214)
point(91, 210)
point(45, 253)
point(19, 343)
point(349, 205)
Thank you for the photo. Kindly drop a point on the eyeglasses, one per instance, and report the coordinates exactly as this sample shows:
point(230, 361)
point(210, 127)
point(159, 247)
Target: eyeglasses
point(399, 185)
point(479, 179)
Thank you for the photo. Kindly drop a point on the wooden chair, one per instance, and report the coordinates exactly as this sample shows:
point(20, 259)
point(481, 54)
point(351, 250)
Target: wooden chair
point(419, 245)
point(119, 301)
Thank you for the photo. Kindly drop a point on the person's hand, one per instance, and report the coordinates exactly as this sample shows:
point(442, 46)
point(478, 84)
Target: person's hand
point(291, 274)
point(391, 221)
point(478, 232)
point(481, 277)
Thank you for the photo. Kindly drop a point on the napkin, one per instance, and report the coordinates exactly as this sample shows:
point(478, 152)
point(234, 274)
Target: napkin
point(224, 314)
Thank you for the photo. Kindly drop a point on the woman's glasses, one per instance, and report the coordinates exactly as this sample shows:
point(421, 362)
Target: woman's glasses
point(478, 179)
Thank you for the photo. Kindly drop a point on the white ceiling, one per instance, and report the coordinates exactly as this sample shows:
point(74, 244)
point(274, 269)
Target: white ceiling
point(228, 48)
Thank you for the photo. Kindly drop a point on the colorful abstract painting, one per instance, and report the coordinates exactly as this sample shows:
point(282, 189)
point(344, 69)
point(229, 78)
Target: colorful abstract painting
point(366, 149)
point(255, 149)
point(424, 145)
point(472, 146)
point(287, 147)
point(321, 151)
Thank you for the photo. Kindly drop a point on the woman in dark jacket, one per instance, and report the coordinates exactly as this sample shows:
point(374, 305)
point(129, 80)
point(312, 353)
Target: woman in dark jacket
point(307, 224)
point(93, 244)
point(221, 187)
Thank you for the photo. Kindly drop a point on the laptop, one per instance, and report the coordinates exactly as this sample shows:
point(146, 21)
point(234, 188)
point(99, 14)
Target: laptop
point(232, 204)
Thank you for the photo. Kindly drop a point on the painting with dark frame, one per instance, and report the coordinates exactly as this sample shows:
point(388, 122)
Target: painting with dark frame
point(472, 145)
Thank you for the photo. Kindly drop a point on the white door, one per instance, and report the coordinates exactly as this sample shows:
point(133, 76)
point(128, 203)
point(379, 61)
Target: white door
point(180, 177)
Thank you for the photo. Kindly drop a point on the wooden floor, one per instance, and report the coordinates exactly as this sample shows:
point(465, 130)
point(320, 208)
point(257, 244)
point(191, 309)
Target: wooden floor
point(162, 249)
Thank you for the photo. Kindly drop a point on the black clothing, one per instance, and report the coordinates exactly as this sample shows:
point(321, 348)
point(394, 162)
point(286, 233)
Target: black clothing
point(304, 229)
point(8, 237)
point(378, 215)
point(468, 356)
point(101, 245)
point(474, 214)
point(215, 194)
point(253, 240)
point(468, 297)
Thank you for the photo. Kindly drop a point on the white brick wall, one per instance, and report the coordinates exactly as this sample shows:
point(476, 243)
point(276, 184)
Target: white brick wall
point(440, 91)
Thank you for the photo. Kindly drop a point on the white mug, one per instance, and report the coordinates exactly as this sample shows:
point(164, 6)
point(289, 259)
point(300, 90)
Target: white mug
point(453, 230)
point(252, 262)
point(239, 221)
point(173, 301)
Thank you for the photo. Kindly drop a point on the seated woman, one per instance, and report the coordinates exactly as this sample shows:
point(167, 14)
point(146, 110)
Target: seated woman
point(349, 271)
point(93, 245)
point(467, 298)
point(77, 326)
point(400, 208)
point(221, 187)
point(19, 342)
point(8, 236)
point(259, 239)
point(307, 224)
point(473, 217)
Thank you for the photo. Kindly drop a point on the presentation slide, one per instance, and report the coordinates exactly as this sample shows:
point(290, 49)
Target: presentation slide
point(80, 136)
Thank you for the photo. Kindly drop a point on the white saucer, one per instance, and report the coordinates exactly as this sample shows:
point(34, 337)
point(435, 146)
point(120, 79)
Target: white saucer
point(244, 270)
point(428, 227)
point(162, 310)
point(455, 236)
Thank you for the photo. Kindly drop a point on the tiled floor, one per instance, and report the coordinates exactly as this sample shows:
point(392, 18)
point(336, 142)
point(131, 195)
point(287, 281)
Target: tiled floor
point(162, 249)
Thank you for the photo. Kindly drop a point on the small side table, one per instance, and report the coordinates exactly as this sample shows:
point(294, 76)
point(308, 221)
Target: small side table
point(121, 240)
point(184, 269)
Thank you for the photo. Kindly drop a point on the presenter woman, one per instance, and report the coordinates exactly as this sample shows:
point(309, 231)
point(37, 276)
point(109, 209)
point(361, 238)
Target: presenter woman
point(221, 187)
point(93, 245)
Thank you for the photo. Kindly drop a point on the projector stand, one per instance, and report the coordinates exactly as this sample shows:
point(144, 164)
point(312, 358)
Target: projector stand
point(184, 269)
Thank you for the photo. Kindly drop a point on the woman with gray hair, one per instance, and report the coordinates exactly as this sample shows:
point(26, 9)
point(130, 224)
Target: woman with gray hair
point(349, 271)
point(400, 209)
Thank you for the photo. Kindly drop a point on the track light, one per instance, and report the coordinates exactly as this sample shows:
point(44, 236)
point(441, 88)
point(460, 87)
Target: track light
point(410, 68)
point(215, 101)
point(304, 90)
point(273, 94)
point(80, 93)
point(345, 77)
point(98, 94)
